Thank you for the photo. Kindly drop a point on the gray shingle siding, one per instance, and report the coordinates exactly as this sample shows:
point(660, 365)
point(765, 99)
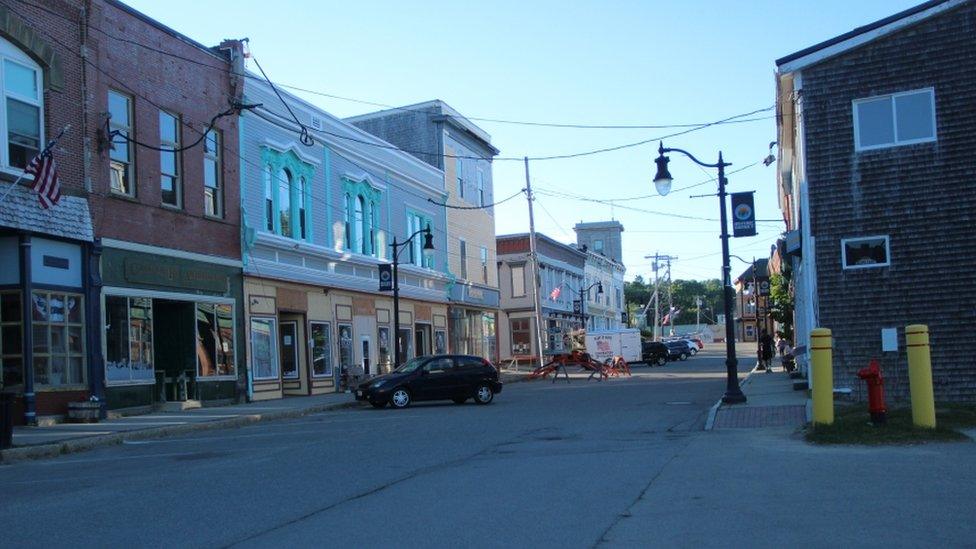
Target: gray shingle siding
point(412, 130)
point(922, 196)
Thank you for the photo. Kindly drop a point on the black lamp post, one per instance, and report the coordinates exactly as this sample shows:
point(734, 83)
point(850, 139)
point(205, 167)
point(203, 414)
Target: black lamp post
point(662, 180)
point(428, 251)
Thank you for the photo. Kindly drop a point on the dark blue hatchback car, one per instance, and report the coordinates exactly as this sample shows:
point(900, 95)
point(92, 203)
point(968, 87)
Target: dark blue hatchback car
point(438, 377)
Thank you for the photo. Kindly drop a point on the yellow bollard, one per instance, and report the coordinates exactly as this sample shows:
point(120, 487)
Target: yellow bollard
point(920, 375)
point(822, 366)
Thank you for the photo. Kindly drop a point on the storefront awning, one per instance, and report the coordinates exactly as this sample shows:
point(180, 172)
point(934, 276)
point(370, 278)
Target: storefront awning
point(69, 218)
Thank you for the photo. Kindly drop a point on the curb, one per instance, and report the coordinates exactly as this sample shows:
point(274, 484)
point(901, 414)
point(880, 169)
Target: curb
point(54, 449)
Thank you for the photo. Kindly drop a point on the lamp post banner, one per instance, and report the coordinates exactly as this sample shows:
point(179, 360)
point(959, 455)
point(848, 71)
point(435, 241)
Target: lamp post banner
point(386, 277)
point(743, 215)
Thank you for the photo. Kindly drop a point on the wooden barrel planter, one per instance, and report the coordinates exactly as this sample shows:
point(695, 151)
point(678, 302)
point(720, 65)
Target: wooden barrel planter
point(84, 412)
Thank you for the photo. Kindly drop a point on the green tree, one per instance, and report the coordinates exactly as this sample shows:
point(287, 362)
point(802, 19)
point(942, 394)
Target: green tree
point(781, 308)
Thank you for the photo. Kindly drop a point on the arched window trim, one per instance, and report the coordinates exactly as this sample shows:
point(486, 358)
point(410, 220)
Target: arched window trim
point(362, 233)
point(299, 192)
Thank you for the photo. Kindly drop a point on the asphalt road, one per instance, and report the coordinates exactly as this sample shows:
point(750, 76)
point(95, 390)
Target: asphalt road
point(545, 464)
point(622, 463)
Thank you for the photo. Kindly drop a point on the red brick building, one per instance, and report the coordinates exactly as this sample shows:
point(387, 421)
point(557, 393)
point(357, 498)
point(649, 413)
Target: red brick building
point(146, 242)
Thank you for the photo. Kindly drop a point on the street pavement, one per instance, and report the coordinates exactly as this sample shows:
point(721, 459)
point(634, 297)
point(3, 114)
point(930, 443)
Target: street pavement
point(620, 463)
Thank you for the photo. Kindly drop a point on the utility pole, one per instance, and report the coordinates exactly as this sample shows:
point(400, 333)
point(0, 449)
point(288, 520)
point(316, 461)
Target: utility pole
point(698, 299)
point(657, 285)
point(670, 295)
point(534, 257)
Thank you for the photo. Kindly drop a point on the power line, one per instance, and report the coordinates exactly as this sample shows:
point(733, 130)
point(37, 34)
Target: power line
point(486, 206)
point(400, 108)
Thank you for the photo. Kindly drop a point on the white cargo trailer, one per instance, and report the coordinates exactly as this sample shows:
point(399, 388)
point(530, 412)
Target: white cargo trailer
point(610, 343)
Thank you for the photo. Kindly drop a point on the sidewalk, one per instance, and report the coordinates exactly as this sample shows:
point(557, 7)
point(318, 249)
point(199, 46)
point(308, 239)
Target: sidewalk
point(770, 402)
point(63, 438)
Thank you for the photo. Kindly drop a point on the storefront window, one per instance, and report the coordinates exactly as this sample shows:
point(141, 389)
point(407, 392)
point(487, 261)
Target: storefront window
point(11, 340)
point(440, 342)
point(384, 348)
point(521, 336)
point(345, 347)
point(264, 355)
point(215, 340)
point(128, 339)
point(321, 349)
point(405, 339)
point(59, 347)
point(289, 350)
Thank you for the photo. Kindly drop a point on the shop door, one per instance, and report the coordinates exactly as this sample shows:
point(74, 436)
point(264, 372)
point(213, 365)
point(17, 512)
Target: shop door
point(422, 340)
point(291, 342)
point(365, 361)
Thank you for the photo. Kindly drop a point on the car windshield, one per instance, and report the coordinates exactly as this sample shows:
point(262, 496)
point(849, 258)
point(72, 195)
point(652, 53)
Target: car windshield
point(411, 365)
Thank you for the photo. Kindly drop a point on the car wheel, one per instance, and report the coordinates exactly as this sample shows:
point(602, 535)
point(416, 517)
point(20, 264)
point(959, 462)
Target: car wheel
point(694, 352)
point(400, 398)
point(483, 394)
point(378, 404)
point(661, 361)
point(459, 400)
point(684, 356)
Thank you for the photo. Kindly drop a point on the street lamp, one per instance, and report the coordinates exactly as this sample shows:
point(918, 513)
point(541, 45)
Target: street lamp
point(599, 292)
point(428, 252)
point(662, 180)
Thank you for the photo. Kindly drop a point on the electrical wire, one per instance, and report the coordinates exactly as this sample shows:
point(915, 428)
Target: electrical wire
point(387, 106)
point(304, 137)
point(235, 108)
point(486, 206)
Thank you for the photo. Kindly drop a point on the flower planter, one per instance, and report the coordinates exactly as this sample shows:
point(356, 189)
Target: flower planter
point(84, 412)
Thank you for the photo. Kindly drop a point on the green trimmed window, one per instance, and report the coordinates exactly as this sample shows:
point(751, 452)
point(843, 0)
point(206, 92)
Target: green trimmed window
point(287, 194)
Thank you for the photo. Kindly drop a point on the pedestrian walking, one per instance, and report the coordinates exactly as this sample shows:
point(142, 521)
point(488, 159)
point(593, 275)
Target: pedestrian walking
point(781, 343)
point(766, 351)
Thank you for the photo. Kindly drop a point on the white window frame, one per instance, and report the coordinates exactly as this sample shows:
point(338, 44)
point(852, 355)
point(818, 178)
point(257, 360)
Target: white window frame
point(463, 253)
point(481, 187)
point(217, 159)
point(459, 175)
point(484, 264)
point(128, 315)
point(894, 114)
point(511, 270)
point(177, 176)
point(273, 322)
point(11, 52)
point(328, 350)
point(129, 129)
point(843, 252)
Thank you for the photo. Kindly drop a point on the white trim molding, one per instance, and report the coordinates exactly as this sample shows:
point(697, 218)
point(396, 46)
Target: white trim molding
point(843, 252)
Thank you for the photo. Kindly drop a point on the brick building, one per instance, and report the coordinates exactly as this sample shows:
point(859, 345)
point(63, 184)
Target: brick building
point(146, 241)
point(48, 310)
point(168, 220)
point(876, 130)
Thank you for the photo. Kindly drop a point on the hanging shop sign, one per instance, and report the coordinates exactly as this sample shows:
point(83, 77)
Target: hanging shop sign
point(743, 215)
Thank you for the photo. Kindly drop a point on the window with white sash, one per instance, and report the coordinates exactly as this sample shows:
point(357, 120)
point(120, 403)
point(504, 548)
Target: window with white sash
point(22, 112)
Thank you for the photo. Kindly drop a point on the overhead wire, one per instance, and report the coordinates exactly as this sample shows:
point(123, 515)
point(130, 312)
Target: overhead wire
point(563, 125)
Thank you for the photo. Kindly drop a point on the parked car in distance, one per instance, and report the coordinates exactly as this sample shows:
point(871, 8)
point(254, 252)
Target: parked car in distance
point(438, 377)
point(654, 352)
point(698, 342)
point(677, 350)
point(692, 347)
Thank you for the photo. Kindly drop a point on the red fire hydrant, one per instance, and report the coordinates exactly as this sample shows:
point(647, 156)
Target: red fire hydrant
point(876, 403)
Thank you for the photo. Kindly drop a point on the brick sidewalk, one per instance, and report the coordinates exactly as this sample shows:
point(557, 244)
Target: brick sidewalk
point(760, 416)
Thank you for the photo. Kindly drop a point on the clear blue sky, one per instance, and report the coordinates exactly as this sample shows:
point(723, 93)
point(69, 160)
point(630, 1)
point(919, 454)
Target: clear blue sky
point(610, 62)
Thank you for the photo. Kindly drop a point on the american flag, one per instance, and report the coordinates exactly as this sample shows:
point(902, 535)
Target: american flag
point(45, 172)
point(554, 295)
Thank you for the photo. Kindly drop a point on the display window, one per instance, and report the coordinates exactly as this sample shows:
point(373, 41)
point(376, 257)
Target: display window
point(58, 332)
point(264, 349)
point(128, 340)
point(215, 340)
point(321, 337)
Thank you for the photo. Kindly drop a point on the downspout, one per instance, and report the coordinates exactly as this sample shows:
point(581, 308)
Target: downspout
point(85, 100)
